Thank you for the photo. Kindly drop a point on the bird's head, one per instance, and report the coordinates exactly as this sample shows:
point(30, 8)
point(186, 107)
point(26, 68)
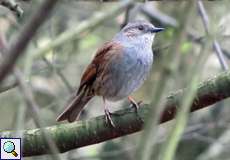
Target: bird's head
point(140, 31)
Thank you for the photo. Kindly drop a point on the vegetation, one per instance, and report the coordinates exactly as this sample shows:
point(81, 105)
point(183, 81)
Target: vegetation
point(45, 46)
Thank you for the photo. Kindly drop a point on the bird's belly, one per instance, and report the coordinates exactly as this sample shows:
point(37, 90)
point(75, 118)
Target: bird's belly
point(128, 84)
point(128, 77)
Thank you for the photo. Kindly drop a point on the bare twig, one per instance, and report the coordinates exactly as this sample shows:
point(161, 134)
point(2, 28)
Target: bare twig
point(74, 33)
point(216, 45)
point(34, 110)
point(7, 87)
point(84, 26)
point(13, 6)
point(127, 16)
point(60, 74)
point(158, 16)
point(96, 130)
point(169, 65)
point(194, 74)
point(28, 31)
point(218, 146)
point(168, 21)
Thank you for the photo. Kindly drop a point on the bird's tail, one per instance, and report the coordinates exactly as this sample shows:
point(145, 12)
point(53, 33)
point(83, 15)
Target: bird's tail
point(73, 110)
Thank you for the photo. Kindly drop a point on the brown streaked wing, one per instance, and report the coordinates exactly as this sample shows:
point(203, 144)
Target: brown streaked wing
point(97, 65)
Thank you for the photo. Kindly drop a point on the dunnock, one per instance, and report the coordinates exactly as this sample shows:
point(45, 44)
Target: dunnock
point(118, 69)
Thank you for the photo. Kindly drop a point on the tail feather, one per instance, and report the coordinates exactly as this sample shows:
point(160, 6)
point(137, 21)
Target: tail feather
point(73, 110)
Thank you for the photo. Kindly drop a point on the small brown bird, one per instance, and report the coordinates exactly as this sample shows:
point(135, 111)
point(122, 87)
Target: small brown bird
point(118, 69)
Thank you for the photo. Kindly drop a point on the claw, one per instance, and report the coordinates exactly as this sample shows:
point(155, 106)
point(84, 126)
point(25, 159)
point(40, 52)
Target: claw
point(108, 118)
point(134, 104)
point(108, 115)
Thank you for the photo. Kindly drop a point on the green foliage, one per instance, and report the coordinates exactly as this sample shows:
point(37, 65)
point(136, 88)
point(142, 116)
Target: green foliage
point(185, 47)
point(89, 41)
point(169, 32)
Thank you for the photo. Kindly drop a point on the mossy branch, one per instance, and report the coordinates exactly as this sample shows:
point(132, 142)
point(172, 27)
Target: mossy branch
point(83, 133)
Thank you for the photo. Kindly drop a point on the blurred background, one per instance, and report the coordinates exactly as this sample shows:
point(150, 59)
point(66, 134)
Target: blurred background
point(54, 74)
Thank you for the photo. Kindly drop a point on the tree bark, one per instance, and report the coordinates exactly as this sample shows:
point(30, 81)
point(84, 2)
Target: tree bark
point(96, 130)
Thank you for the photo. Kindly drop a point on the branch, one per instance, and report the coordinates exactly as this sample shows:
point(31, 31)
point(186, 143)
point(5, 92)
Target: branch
point(72, 34)
point(217, 148)
point(21, 42)
point(8, 86)
point(216, 45)
point(14, 7)
point(160, 17)
point(95, 130)
point(168, 21)
point(32, 105)
point(34, 111)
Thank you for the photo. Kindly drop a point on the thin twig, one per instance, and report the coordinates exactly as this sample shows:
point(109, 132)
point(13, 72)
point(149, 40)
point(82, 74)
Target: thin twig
point(60, 74)
point(193, 74)
point(82, 133)
point(218, 147)
point(168, 21)
point(162, 18)
point(33, 107)
point(169, 64)
point(216, 45)
point(72, 34)
point(28, 31)
point(7, 87)
point(127, 16)
point(13, 6)
point(34, 110)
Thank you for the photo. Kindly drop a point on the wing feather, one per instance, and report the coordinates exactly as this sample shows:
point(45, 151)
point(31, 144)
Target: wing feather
point(97, 66)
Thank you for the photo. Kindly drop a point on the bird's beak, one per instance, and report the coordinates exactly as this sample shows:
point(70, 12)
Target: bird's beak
point(155, 30)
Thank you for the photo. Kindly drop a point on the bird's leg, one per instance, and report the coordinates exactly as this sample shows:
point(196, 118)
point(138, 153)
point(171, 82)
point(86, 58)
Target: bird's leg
point(134, 103)
point(108, 114)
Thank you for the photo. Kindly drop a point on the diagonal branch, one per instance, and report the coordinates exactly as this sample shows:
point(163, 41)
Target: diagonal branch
point(216, 45)
point(21, 42)
point(71, 34)
point(95, 130)
point(83, 27)
point(13, 6)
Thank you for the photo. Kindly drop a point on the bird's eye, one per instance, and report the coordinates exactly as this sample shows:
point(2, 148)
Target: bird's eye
point(141, 28)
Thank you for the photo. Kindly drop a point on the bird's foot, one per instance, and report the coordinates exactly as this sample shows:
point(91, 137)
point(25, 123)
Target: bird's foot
point(108, 118)
point(134, 104)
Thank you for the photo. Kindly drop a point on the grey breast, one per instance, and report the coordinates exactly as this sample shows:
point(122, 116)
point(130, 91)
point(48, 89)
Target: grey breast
point(130, 72)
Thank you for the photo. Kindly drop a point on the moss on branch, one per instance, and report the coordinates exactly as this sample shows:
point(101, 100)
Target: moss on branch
point(95, 130)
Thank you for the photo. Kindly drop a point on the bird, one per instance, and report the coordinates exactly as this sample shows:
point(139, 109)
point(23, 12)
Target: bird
point(118, 69)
